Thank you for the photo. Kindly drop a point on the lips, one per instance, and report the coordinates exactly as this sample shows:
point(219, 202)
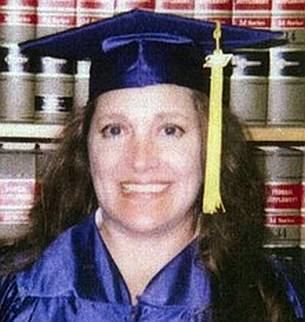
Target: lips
point(144, 187)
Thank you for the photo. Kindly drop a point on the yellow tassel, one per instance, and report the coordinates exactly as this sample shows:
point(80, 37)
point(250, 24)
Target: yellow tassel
point(212, 202)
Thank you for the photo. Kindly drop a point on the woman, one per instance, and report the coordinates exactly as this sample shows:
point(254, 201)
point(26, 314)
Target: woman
point(133, 159)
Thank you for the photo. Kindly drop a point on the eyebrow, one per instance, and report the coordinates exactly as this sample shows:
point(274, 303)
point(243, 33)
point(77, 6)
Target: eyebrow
point(164, 115)
point(161, 115)
point(110, 115)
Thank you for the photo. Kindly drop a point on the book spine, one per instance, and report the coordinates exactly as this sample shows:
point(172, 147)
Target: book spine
point(254, 14)
point(54, 89)
point(17, 190)
point(289, 16)
point(125, 5)
point(180, 7)
point(249, 86)
point(81, 85)
point(286, 87)
point(282, 169)
point(88, 11)
point(18, 20)
point(54, 16)
point(16, 75)
point(214, 10)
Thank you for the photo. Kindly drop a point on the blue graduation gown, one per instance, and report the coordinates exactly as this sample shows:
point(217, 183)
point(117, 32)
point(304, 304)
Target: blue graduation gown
point(77, 280)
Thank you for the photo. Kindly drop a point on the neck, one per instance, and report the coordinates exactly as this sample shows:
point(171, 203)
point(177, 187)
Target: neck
point(140, 256)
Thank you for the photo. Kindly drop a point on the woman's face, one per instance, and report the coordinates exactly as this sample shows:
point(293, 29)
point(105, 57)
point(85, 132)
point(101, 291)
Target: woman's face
point(145, 156)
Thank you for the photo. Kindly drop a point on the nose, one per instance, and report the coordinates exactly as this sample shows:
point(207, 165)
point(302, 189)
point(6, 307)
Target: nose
point(144, 154)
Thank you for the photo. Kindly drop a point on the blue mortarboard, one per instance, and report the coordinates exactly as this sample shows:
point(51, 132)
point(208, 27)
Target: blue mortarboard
point(141, 48)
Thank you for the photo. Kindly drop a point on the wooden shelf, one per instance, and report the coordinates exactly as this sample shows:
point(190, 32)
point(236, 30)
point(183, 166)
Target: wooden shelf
point(48, 132)
point(30, 131)
point(275, 134)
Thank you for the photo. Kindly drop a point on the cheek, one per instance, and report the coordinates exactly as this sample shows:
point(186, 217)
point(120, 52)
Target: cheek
point(185, 159)
point(104, 159)
point(102, 168)
point(103, 173)
point(191, 177)
point(188, 168)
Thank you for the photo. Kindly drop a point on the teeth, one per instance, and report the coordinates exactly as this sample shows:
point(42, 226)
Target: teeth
point(144, 188)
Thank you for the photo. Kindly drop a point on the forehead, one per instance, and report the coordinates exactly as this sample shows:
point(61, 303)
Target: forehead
point(149, 100)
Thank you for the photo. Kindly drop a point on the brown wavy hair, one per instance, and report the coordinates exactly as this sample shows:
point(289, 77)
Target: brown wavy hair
point(245, 286)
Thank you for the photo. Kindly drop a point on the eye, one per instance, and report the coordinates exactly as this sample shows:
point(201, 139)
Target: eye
point(111, 131)
point(173, 130)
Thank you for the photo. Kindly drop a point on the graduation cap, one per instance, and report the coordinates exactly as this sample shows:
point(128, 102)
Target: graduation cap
point(141, 48)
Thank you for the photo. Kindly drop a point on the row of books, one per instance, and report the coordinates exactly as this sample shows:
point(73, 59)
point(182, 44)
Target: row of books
point(49, 88)
point(26, 19)
point(283, 169)
point(266, 86)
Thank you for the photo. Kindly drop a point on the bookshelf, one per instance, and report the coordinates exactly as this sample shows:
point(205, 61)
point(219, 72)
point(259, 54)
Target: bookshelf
point(50, 132)
point(27, 137)
point(275, 134)
point(30, 131)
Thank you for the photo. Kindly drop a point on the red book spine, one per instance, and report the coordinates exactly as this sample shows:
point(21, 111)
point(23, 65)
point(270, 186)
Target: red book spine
point(17, 20)
point(55, 15)
point(252, 5)
point(214, 10)
point(17, 193)
point(182, 7)
point(17, 189)
point(254, 14)
point(88, 11)
point(282, 168)
point(122, 5)
point(288, 5)
point(18, 4)
point(213, 5)
point(104, 5)
point(288, 14)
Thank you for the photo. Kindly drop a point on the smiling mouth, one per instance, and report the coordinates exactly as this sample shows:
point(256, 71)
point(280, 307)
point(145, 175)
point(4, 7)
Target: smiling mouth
point(144, 188)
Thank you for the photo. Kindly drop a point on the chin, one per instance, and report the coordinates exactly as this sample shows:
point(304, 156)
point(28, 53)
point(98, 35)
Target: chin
point(146, 217)
point(145, 224)
point(154, 224)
